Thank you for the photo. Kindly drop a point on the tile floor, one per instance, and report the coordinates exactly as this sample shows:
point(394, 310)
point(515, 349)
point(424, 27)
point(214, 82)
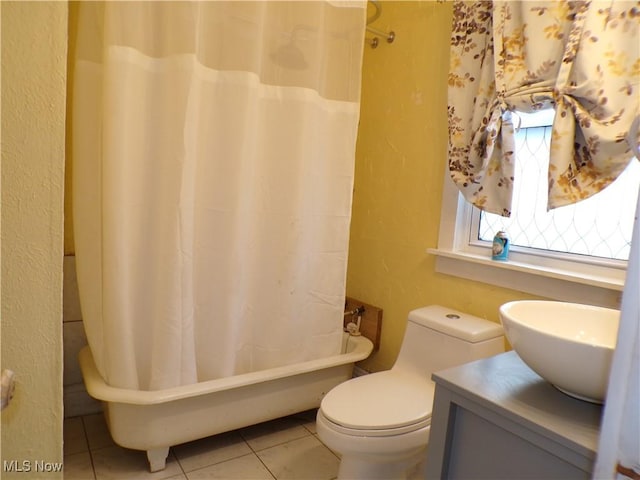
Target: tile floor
point(287, 448)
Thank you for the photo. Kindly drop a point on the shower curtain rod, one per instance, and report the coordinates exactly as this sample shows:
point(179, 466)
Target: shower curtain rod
point(388, 36)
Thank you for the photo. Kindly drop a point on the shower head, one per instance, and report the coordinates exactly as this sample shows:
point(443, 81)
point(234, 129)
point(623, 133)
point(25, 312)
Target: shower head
point(289, 56)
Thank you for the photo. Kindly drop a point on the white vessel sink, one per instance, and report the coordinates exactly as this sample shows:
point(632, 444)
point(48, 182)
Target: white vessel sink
point(567, 344)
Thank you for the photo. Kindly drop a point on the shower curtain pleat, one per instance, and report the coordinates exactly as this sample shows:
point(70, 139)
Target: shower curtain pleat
point(212, 184)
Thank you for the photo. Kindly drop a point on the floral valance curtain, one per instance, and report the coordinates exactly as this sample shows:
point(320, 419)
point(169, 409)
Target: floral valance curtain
point(581, 58)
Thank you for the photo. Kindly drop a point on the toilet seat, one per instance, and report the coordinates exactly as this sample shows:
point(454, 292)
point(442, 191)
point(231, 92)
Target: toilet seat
point(380, 404)
point(389, 432)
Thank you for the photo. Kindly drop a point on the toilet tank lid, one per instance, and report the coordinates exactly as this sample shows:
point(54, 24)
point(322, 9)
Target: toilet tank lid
point(457, 324)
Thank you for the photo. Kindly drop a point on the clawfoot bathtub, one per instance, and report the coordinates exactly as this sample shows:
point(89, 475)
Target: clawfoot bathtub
point(156, 420)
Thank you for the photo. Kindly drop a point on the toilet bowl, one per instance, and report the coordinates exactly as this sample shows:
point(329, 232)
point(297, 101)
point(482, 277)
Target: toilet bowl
point(380, 423)
point(392, 432)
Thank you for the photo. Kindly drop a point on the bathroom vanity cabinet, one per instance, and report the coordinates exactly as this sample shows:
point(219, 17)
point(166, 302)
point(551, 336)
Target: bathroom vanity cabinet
point(497, 419)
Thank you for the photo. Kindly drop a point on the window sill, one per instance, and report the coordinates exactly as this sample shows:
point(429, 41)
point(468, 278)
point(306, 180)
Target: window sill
point(553, 283)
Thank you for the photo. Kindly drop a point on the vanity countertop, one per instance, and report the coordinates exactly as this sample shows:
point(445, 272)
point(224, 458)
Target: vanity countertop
point(505, 392)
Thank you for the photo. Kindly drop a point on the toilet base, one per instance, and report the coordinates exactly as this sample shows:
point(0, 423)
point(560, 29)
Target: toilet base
point(375, 457)
point(369, 468)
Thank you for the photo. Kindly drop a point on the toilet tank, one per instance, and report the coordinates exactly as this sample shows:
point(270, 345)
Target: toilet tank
point(438, 337)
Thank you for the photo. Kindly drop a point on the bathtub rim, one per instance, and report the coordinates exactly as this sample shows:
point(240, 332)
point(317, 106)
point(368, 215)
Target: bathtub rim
point(358, 348)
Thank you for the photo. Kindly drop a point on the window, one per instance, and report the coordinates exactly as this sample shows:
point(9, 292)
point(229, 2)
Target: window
point(599, 226)
point(573, 253)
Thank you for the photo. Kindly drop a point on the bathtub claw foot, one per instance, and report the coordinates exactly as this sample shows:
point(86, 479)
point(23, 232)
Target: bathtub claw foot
point(157, 458)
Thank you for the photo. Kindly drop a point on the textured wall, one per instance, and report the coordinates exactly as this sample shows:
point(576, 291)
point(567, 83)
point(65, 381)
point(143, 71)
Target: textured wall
point(34, 40)
point(401, 156)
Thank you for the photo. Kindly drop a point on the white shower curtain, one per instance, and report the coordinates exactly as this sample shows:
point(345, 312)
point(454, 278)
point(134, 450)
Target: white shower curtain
point(213, 158)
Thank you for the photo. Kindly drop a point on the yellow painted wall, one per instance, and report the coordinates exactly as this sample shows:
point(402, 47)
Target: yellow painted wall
point(34, 43)
point(401, 157)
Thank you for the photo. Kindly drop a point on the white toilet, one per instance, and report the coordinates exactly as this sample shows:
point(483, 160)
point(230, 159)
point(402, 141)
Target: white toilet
point(380, 423)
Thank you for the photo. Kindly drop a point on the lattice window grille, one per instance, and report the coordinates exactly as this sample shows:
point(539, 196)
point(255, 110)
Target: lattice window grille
point(599, 226)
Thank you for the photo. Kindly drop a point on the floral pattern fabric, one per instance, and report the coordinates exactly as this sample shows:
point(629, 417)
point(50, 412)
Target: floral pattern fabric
point(579, 57)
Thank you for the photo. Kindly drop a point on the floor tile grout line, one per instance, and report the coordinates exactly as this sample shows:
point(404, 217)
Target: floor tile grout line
point(275, 444)
point(265, 466)
point(217, 462)
point(184, 472)
point(66, 443)
point(317, 437)
point(172, 452)
point(300, 421)
point(255, 454)
point(86, 437)
point(315, 434)
point(251, 453)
